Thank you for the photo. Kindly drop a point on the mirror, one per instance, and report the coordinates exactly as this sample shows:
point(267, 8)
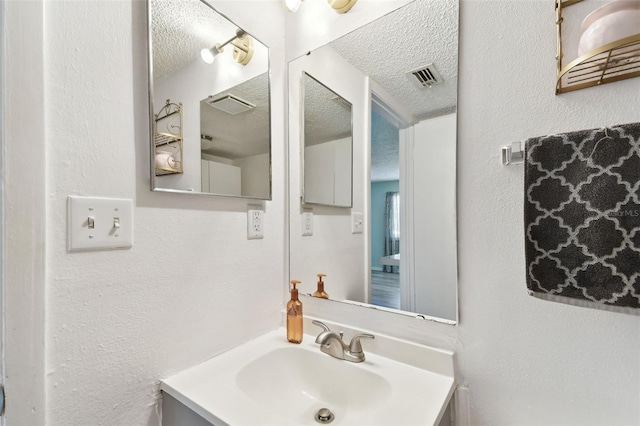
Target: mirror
point(327, 146)
point(209, 101)
point(399, 73)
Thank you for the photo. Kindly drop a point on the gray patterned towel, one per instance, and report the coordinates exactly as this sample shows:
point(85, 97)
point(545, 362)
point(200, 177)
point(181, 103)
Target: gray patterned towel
point(582, 217)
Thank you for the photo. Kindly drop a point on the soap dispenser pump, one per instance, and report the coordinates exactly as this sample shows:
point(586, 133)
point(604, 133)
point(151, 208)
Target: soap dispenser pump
point(294, 316)
point(320, 291)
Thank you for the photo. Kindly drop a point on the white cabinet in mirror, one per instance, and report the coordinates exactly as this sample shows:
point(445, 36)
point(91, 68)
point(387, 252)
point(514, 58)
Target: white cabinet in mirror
point(402, 84)
point(218, 75)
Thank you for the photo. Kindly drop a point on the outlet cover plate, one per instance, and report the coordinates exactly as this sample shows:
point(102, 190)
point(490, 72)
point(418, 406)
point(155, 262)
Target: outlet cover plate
point(255, 224)
point(307, 224)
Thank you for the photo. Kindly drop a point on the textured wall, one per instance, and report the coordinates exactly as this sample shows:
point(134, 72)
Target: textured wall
point(526, 360)
point(192, 285)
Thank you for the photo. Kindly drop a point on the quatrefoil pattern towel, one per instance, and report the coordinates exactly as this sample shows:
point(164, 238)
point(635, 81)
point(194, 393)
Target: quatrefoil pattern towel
point(582, 217)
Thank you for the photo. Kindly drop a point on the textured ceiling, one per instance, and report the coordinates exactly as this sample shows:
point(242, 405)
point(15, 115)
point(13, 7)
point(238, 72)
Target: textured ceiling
point(238, 135)
point(385, 149)
point(423, 32)
point(180, 29)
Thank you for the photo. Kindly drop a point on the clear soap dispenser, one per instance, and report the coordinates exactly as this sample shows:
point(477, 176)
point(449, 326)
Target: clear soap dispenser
point(294, 316)
point(320, 291)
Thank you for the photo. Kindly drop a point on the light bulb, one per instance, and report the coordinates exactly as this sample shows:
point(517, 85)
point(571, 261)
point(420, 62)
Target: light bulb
point(292, 5)
point(207, 55)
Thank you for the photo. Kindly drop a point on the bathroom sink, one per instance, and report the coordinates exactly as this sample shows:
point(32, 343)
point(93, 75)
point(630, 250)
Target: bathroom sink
point(301, 382)
point(268, 381)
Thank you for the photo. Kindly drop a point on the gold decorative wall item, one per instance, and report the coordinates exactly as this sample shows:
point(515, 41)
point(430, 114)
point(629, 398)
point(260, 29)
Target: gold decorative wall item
point(167, 139)
point(614, 61)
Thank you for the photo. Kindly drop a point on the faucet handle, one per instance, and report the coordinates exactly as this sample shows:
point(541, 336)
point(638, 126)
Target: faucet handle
point(355, 347)
point(321, 324)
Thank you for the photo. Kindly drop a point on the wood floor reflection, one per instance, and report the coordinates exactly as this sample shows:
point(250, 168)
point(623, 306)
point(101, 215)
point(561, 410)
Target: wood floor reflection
point(385, 289)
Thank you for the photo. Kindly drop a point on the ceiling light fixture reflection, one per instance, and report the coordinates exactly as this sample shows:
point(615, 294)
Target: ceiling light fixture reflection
point(292, 5)
point(342, 6)
point(242, 49)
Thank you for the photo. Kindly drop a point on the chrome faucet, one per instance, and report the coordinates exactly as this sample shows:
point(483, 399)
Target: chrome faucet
point(331, 343)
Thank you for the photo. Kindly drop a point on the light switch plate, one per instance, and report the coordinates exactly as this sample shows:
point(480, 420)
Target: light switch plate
point(307, 224)
point(357, 223)
point(95, 223)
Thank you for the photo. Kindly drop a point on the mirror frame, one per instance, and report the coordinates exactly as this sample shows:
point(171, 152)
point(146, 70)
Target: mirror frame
point(151, 99)
point(303, 95)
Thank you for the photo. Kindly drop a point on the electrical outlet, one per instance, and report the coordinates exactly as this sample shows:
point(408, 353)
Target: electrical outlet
point(357, 223)
point(307, 224)
point(255, 224)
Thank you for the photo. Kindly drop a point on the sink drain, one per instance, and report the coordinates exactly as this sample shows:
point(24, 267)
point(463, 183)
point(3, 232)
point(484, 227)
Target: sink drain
point(324, 416)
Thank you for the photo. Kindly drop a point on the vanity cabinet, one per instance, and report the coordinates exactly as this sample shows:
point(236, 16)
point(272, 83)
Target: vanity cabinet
point(175, 413)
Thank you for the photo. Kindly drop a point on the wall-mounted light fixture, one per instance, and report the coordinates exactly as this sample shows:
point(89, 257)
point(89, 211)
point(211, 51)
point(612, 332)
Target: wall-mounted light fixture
point(242, 49)
point(340, 6)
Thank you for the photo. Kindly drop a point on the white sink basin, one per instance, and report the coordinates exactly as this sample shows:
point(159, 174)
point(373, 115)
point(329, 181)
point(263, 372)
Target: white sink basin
point(300, 382)
point(269, 381)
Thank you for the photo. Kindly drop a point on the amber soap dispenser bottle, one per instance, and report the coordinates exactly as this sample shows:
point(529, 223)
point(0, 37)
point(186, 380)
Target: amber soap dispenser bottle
point(320, 291)
point(294, 316)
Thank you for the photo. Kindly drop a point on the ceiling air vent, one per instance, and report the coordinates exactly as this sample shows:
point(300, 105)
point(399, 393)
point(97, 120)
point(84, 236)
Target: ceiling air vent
point(231, 104)
point(425, 76)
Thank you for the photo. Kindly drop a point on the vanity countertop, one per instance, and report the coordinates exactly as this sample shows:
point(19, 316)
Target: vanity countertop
point(269, 381)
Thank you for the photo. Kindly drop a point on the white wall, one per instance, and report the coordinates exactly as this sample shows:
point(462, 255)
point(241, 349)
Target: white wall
point(332, 249)
point(434, 217)
point(525, 361)
point(119, 321)
point(255, 169)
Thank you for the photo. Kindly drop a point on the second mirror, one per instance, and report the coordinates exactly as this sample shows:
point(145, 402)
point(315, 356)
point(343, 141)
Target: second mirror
point(327, 146)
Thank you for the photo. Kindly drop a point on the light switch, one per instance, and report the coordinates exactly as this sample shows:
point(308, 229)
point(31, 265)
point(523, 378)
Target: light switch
point(99, 223)
point(357, 223)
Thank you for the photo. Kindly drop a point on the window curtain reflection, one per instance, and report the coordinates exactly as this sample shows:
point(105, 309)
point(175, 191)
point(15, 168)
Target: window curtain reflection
point(391, 228)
